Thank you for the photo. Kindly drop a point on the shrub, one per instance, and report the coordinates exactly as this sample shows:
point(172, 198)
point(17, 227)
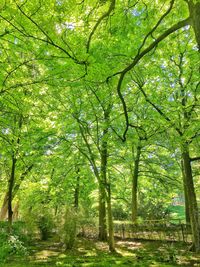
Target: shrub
point(11, 245)
point(4, 247)
point(38, 221)
point(119, 212)
point(45, 225)
point(17, 246)
point(69, 231)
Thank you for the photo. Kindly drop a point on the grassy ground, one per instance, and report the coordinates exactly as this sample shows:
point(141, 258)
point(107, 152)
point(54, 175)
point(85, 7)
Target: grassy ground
point(91, 253)
point(177, 213)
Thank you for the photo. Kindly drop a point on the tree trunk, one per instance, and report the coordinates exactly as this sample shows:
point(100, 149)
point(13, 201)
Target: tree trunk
point(192, 202)
point(102, 196)
point(135, 185)
point(103, 178)
point(102, 213)
point(187, 210)
point(10, 193)
point(4, 208)
point(110, 220)
point(16, 211)
point(77, 188)
point(194, 9)
point(187, 215)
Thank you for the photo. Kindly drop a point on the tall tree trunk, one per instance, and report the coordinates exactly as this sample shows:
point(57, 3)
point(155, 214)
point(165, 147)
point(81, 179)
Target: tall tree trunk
point(102, 196)
point(105, 185)
point(194, 8)
point(110, 220)
point(192, 202)
point(135, 184)
point(187, 215)
point(102, 213)
point(4, 208)
point(77, 188)
point(16, 211)
point(10, 193)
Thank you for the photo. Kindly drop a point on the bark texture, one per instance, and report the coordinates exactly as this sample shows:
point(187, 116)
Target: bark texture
point(135, 175)
point(191, 196)
point(194, 8)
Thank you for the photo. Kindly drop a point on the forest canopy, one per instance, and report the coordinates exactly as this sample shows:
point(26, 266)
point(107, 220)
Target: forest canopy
point(99, 103)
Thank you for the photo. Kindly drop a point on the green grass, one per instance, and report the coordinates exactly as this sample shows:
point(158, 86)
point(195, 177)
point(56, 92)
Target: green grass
point(92, 253)
point(177, 213)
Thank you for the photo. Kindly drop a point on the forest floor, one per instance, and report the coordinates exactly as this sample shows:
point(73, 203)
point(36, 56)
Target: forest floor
point(92, 253)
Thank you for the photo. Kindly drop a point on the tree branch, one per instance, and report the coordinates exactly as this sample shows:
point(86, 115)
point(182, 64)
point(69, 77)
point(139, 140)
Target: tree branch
point(156, 26)
point(106, 14)
point(159, 111)
point(195, 158)
point(135, 61)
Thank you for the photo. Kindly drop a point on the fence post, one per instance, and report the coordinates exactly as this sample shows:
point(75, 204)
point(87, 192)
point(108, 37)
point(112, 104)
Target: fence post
point(123, 231)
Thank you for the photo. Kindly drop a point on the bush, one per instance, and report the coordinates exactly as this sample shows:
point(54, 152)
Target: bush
point(39, 222)
point(4, 247)
point(119, 212)
point(152, 208)
point(45, 225)
point(69, 231)
point(17, 246)
point(11, 245)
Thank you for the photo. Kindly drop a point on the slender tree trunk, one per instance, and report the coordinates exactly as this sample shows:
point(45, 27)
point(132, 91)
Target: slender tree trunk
point(187, 210)
point(4, 208)
point(16, 211)
point(187, 215)
point(102, 213)
point(102, 196)
point(105, 185)
point(10, 193)
point(77, 188)
point(135, 184)
point(110, 220)
point(192, 202)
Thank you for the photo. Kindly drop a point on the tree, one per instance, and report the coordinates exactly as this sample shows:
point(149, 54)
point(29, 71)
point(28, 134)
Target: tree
point(182, 122)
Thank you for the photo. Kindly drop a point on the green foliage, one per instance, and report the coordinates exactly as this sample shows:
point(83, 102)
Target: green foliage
point(69, 229)
point(153, 210)
point(45, 225)
point(39, 221)
point(14, 244)
point(93, 253)
point(37, 216)
point(177, 212)
point(119, 213)
point(66, 65)
point(5, 248)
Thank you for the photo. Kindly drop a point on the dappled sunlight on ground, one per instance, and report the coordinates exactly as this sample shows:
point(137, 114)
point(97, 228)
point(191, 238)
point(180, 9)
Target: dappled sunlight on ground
point(127, 248)
point(92, 253)
point(129, 244)
point(102, 246)
point(44, 255)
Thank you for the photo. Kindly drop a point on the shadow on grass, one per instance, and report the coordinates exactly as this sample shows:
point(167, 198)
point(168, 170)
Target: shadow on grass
point(92, 253)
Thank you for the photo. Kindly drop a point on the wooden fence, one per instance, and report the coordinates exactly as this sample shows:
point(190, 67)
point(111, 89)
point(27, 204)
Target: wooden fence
point(154, 230)
point(148, 230)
